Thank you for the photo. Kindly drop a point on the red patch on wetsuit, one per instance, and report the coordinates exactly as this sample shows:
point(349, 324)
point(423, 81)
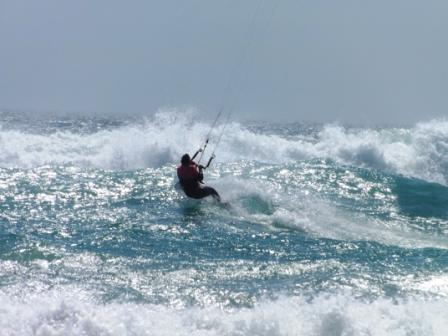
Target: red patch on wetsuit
point(189, 172)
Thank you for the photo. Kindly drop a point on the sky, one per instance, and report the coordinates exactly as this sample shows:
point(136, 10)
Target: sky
point(349, 61)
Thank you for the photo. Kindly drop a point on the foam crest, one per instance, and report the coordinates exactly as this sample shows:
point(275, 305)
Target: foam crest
point(154, 143)
point(420, 151)
point(264, 203)
point(339, 314)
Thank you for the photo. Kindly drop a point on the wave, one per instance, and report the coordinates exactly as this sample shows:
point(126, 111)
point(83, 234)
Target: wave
point(420, 151)
point(75, 313)
point(266, 203)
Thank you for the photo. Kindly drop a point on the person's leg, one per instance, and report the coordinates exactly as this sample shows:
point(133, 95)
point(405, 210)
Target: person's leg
point(209, 191)
point(203, 192)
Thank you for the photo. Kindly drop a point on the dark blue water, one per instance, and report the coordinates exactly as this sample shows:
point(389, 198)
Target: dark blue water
point(328, 231)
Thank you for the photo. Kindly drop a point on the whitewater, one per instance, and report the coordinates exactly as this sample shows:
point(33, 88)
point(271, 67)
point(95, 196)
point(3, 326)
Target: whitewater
point(331, 229)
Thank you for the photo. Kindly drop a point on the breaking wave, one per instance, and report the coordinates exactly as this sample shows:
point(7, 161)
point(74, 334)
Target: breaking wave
point(67, 314)
point(420, 151)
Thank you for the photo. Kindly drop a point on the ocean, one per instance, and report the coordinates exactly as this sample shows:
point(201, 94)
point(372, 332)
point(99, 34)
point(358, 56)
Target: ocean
point(330, 229)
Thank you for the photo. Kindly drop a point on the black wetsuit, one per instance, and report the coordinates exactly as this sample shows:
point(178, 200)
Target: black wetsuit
point(201, 192)
point(190, 179)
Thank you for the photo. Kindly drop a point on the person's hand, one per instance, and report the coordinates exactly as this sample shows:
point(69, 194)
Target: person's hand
point(200, 150)
point(201, 167)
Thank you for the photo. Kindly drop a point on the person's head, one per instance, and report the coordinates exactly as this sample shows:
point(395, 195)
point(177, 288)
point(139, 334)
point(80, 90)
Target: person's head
point(185, 159)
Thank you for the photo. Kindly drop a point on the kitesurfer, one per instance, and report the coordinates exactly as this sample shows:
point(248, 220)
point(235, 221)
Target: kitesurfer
point(190, 177)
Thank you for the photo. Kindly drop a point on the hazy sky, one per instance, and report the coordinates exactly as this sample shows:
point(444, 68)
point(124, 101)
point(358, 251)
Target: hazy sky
point(354, 61)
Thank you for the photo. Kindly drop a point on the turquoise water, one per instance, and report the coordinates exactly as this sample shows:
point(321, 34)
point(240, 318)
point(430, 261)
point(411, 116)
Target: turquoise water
point(330, 230)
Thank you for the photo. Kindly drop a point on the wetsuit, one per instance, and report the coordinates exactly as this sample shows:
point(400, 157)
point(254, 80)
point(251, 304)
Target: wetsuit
point(190, 177)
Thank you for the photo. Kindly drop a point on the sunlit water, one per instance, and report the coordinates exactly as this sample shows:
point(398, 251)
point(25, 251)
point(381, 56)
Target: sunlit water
point(329, 230)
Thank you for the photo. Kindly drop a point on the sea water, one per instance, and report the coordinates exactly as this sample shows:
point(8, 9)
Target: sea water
point(330, 229)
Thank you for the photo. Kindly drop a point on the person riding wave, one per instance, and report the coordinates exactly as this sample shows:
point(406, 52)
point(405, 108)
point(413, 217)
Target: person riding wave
point(190, 177)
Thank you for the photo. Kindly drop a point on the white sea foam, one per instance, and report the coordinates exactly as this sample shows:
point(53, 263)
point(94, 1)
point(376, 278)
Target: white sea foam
point(261, 202)
point(70, 313)
point(420, 151)
point(436, 284)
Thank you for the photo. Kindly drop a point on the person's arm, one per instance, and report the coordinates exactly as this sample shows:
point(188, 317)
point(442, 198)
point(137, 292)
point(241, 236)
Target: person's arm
point(196, 154)
point(200, 174)
point(209, 161)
